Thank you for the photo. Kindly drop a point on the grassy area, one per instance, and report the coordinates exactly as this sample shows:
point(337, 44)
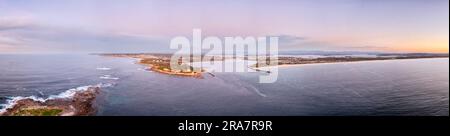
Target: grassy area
point(38, 112)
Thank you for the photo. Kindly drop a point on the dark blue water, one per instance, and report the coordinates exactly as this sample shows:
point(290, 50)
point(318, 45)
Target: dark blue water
point(397, 87)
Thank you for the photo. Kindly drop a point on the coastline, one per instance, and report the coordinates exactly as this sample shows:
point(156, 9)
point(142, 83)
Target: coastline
point(160, 63)
point(74, 102)
point(364, 61)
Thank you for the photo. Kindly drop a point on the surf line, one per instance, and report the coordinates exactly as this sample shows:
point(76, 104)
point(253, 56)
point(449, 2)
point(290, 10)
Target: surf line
point(190, 126)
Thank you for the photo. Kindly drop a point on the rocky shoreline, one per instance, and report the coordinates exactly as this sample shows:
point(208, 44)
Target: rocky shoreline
point(81, 104)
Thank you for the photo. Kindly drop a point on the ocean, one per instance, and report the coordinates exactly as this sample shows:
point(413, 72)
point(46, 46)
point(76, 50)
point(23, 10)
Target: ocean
point(416, 87)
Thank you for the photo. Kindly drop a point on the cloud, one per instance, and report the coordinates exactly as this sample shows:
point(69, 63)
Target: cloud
point(330, 46)
point(10, 43)
point(291, 42)
point(4, 40)
point(40, 38)
point(17, 22)
point(371, 47)
point(289, 39)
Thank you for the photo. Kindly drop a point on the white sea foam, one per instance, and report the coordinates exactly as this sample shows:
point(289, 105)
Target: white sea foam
point(109, 77)
point(144, 69)
point(103, 68)
point(41, 93)
point(11, 101)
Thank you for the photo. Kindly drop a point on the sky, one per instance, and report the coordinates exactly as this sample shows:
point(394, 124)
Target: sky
point(95, 26)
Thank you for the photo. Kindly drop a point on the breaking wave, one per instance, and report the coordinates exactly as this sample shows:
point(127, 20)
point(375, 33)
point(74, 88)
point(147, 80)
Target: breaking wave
point(11, 101)
point(109, 77)
point(103, 68)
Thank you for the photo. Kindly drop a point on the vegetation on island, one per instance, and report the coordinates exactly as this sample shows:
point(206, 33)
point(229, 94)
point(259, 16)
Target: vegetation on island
point(38, 112)
point(81, 104)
